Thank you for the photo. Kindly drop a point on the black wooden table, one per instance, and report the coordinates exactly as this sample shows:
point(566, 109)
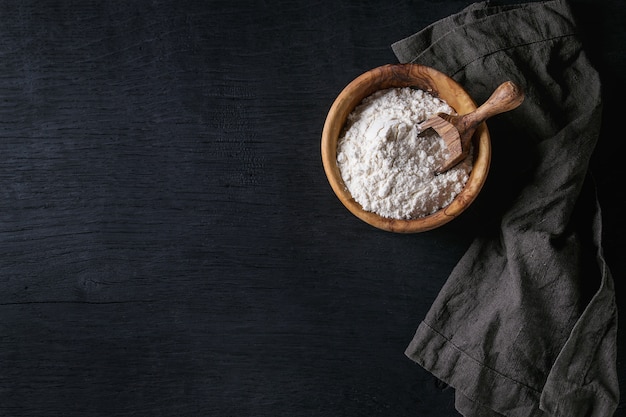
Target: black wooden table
point(169, 244)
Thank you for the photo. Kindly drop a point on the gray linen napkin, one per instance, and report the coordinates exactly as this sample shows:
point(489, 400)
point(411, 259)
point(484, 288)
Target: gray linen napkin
point(526, 323)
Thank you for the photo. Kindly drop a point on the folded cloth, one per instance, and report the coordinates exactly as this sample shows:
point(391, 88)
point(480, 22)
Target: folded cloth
point(526, 323)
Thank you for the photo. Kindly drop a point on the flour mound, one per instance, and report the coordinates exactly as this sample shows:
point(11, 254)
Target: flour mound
point(387, 166)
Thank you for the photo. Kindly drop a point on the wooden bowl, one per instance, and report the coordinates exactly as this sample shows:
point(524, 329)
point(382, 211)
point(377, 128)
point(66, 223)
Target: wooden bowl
point(404, 75)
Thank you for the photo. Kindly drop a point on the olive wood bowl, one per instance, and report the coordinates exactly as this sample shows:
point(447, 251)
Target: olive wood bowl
point(433, 82)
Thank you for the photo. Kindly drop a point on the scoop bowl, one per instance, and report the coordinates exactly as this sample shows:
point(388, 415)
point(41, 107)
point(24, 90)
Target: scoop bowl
point(435, 83)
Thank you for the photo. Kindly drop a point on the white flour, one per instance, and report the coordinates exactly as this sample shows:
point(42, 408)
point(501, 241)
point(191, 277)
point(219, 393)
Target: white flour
point(387, 167)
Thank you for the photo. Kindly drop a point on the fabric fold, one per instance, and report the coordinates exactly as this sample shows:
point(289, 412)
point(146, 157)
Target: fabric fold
point(526, 323)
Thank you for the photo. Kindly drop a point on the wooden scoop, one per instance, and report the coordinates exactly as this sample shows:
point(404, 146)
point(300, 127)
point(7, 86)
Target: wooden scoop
point(457, 131)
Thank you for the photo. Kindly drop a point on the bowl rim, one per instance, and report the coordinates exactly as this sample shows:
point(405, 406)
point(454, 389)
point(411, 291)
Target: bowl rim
point(399, 75)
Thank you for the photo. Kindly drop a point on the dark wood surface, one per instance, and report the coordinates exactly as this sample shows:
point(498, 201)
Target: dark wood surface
point(169, 244)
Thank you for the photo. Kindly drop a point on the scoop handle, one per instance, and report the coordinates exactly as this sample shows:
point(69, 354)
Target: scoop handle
point(506, 97)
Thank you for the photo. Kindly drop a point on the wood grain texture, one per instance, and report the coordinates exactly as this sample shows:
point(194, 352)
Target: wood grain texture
point(457, 130)
point(169, 244)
